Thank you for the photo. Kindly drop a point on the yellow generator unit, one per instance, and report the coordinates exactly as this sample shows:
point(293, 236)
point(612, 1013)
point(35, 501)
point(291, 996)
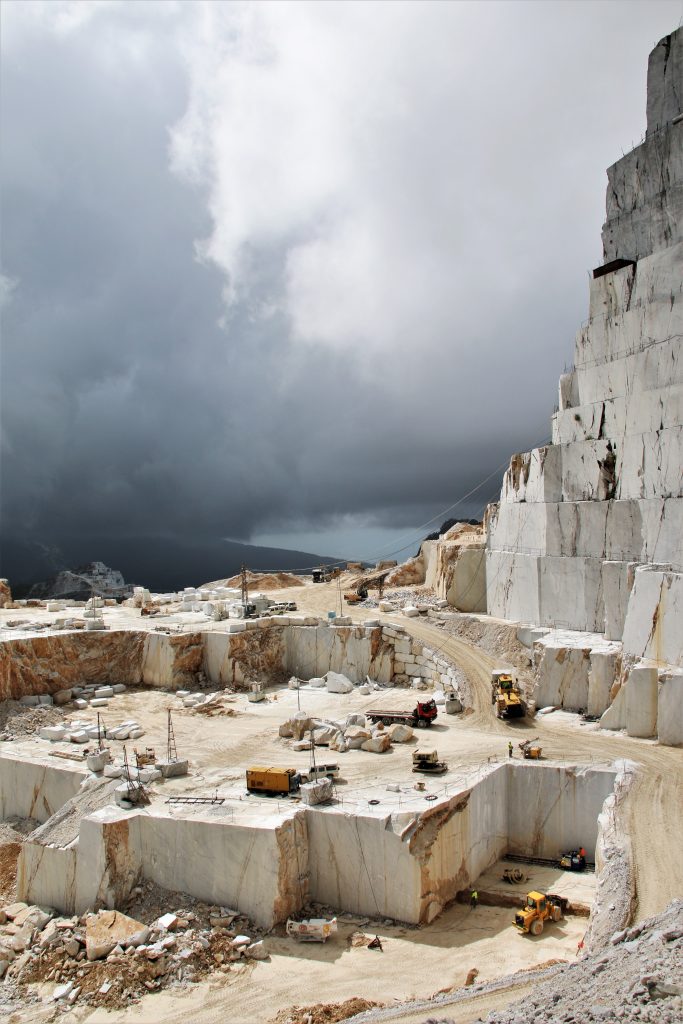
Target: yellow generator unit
point(274, 781)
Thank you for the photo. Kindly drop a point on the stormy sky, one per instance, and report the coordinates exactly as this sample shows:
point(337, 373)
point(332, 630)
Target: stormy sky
point(294, 274)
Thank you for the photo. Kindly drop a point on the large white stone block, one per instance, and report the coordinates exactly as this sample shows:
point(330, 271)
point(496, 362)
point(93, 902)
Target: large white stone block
point(653, 629)
point(641, 701)
point(670, 709)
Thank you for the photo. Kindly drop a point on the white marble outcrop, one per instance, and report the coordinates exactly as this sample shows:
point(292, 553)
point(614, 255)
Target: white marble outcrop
point(609, 487)
point(588, 532)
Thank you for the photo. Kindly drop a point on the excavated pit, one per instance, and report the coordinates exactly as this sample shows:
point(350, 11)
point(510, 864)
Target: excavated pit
point(395, 853)
point(374, 853)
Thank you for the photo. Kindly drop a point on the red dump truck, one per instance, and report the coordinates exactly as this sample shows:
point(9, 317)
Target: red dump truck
point(422, 715)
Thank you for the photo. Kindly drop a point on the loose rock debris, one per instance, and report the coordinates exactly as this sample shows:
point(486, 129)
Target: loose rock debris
point(112, 959)
point(324, 1013)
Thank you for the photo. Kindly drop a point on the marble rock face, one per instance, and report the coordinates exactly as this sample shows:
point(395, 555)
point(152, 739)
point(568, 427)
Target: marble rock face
point(609, 488)
point(588, 532)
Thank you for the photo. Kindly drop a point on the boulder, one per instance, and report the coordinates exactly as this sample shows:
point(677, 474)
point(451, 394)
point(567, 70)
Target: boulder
point(34, 917)
point(13, 909)
point(62, 696)
point(256, 951)
point(324, 734)
point(297, 726)
point(317, 682)
point(400, 733)
point(354, 718)
point(337, 683)
point(318, 792)
point(168, 922)
point(339, 743)
point(54, 733)
point(355, 736)
point(377, 744)
point(172, 769)
point(96, 761)
point(439, 697)
point(110, 928)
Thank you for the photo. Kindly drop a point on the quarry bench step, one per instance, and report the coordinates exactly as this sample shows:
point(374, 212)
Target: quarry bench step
point(195, 800)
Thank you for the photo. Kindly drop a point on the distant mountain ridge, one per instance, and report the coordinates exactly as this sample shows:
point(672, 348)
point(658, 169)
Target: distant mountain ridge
point(160, 563)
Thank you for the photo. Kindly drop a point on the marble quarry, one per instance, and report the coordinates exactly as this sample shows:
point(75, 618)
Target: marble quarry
point(401, 858)
point(588, 534)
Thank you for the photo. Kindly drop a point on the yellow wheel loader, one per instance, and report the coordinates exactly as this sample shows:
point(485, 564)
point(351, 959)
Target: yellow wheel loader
point(538, 909)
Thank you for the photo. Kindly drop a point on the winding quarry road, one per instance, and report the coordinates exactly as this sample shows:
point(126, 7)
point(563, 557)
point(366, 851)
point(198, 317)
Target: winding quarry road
point(653, 807)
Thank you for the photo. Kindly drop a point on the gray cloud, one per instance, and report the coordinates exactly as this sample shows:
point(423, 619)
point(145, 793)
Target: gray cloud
point(272, 268)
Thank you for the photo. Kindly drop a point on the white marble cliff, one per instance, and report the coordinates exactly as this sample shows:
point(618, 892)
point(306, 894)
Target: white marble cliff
point(588, 533)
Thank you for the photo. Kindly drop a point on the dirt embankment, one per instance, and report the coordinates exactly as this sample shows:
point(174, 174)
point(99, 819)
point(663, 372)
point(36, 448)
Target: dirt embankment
point(259, 581)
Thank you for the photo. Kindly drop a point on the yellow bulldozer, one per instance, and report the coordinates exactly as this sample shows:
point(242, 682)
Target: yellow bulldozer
point(539, 908)
point(506, 695)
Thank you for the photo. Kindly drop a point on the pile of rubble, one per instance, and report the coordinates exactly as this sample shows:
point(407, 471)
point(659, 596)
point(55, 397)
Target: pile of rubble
point(355, 732)
point(637, 977)
point(421, 598)
point(334, 682)
point(206, 703)
point(17, 720)
point(324, 1013)
point(111, 959)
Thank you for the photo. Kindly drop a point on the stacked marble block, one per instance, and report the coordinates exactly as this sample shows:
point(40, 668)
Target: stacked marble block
point(414, 662)
point(588, 533)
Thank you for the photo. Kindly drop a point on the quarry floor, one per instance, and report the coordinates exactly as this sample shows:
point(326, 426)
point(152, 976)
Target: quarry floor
point(415, 962)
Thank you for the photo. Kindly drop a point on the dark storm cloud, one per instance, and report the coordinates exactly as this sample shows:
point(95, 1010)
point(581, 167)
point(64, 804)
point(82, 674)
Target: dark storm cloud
point(394, 207)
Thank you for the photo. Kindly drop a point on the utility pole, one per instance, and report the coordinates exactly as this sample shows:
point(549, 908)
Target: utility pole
point(245, 587)
point(171, 749)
